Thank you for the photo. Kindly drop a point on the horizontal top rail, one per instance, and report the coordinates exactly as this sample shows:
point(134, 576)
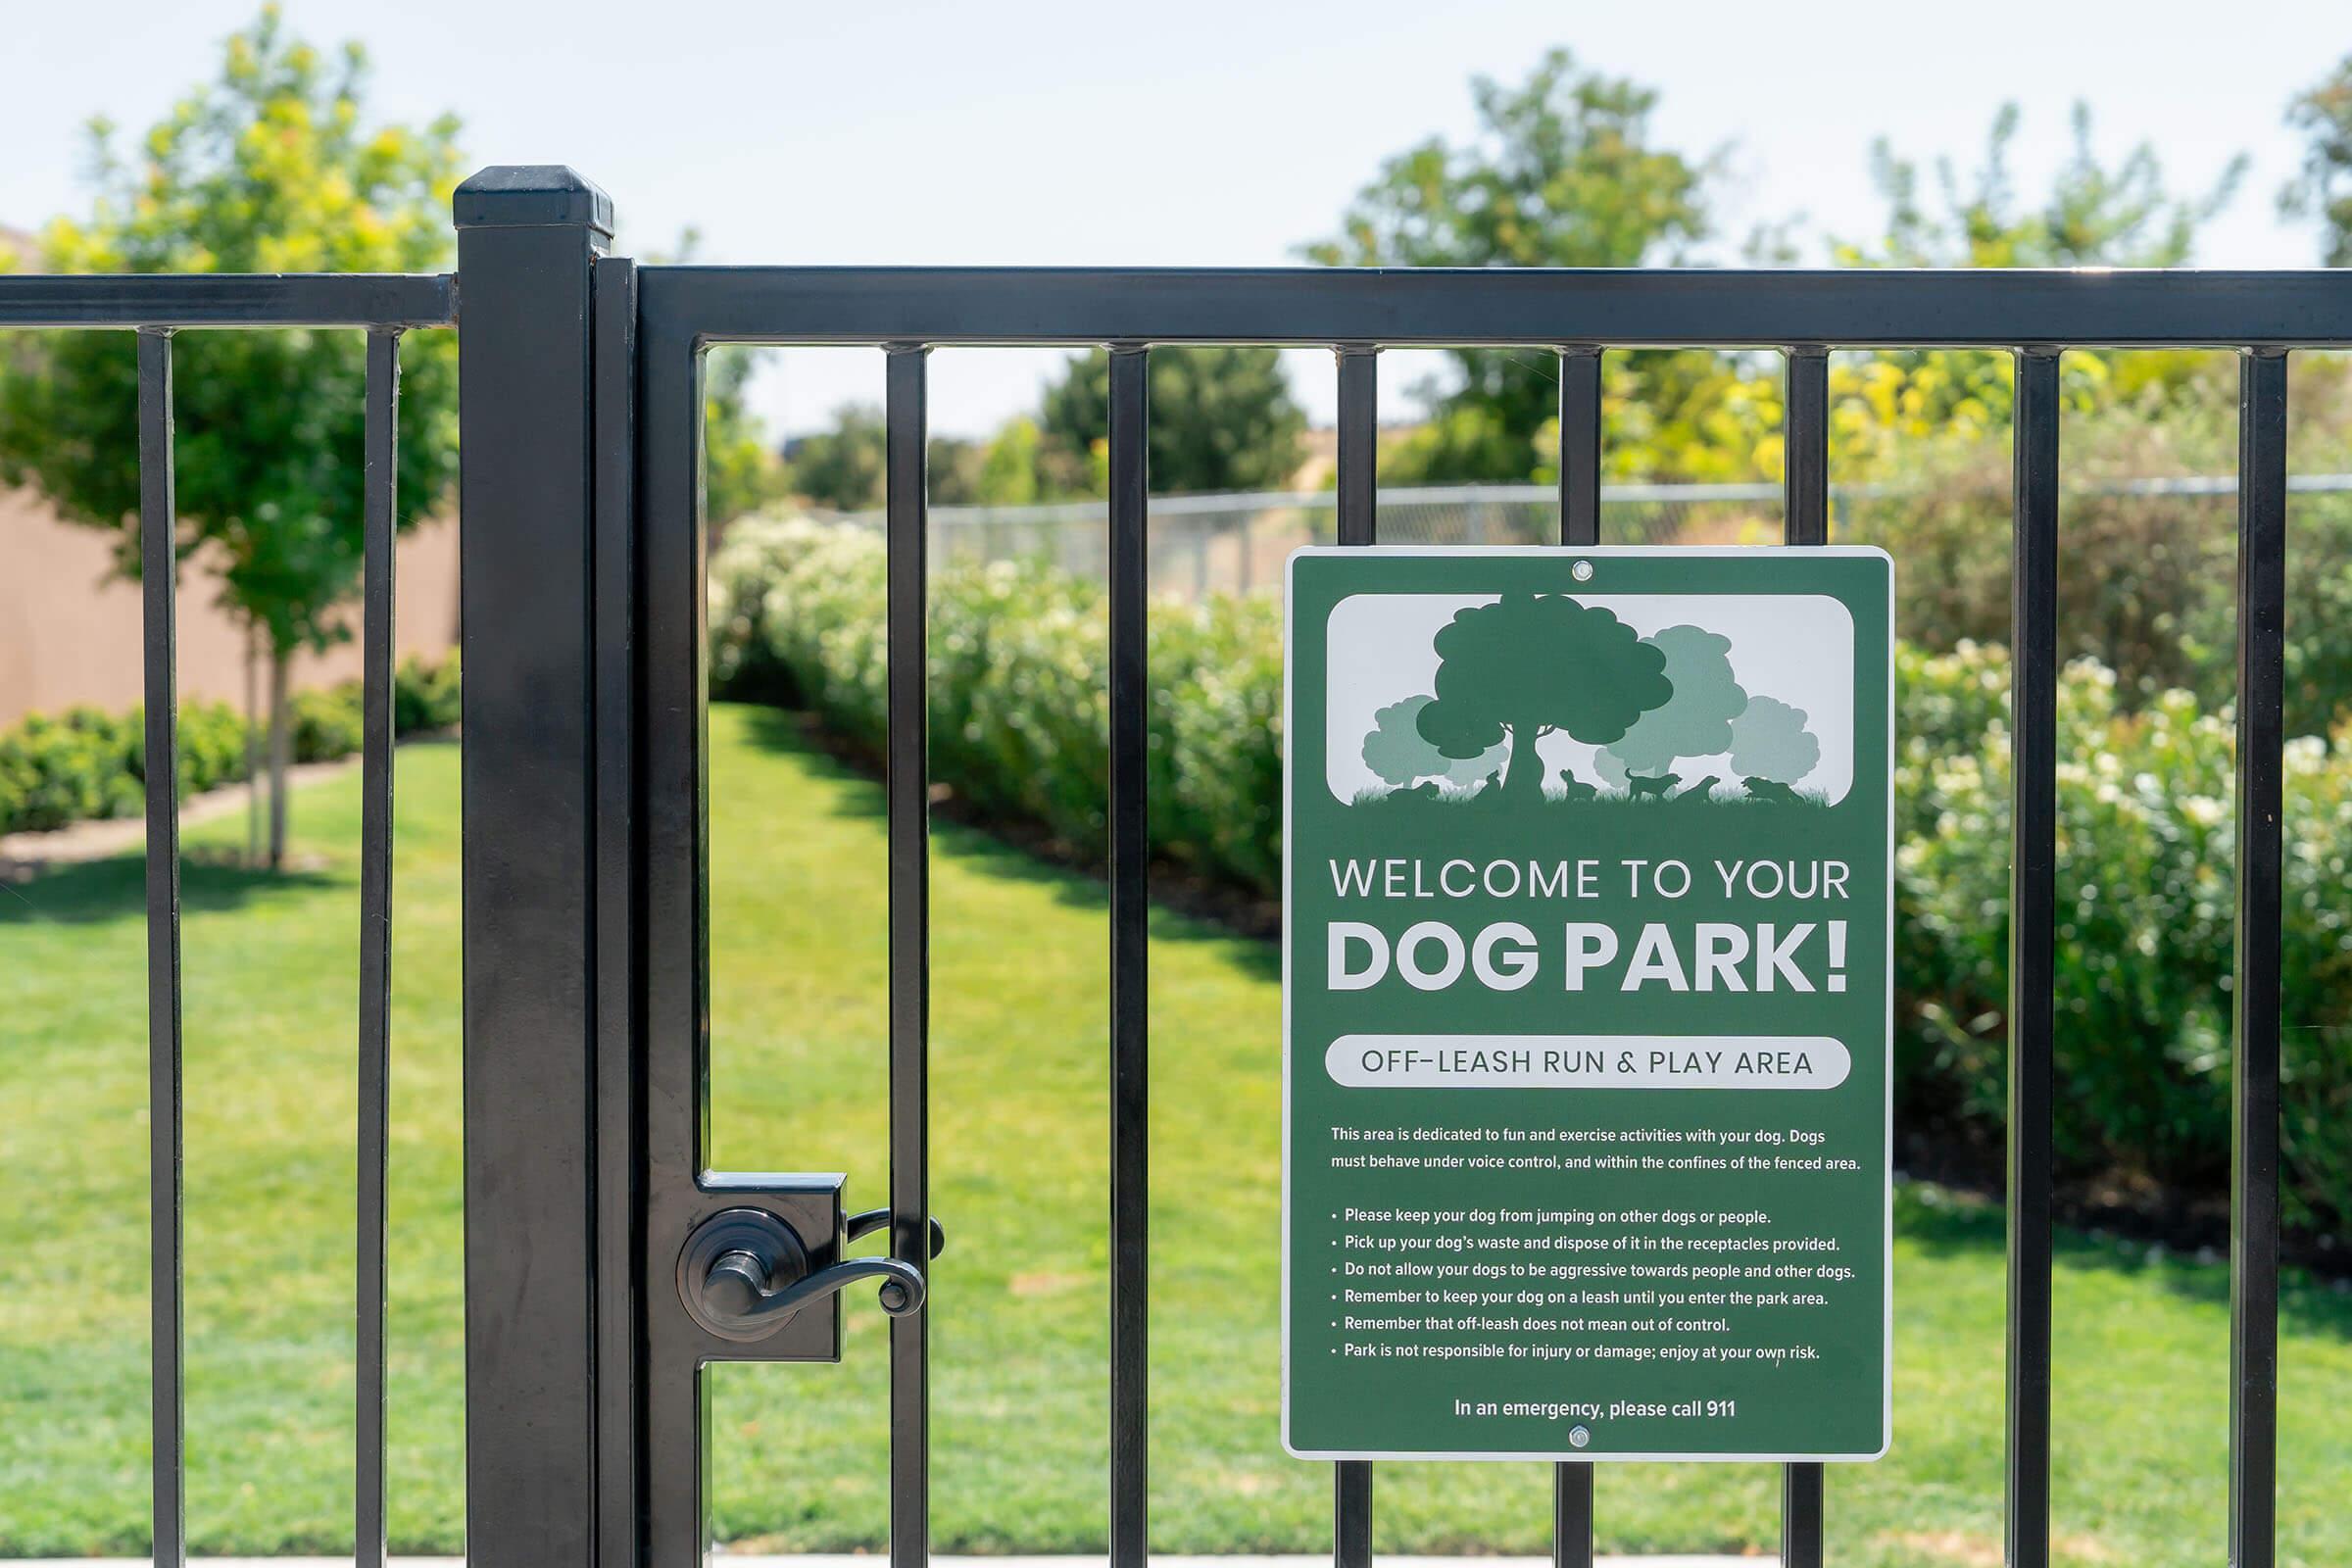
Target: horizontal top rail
point(53, 299)
point(1456, 307)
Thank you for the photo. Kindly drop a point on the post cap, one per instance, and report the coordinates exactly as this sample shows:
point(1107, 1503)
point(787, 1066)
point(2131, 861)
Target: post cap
point(531, 196)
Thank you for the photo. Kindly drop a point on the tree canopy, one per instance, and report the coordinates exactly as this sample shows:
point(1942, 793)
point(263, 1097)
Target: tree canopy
point(1697, 722)
point(1564, 171)
point(741, 470)
point(1397, 753)
point(1222, 419)
point(272, 166)
point(842, 468)
point(1770, 740)
point(2322, 188)
point(1529, 665)
point(2093, 214)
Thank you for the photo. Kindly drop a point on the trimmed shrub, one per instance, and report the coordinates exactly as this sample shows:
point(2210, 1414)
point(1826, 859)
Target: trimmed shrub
point(1019, 722)
point(87, 765)
point(1019, 710)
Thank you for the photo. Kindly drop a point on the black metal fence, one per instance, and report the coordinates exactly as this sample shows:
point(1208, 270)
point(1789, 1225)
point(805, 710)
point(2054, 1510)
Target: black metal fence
point(156, 307)
point(585, 1008)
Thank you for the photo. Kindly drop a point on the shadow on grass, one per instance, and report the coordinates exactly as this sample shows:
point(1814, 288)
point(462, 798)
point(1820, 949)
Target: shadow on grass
point(1947, 1224)
point(787, 731)
point(94, 892)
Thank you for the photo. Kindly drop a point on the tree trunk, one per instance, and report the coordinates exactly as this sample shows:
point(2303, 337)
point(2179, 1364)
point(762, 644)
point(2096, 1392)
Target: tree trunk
point(253, 747)
point(1523, 774)
point(281, 745)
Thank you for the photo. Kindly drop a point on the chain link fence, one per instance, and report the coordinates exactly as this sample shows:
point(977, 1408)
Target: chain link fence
point(1235, 543)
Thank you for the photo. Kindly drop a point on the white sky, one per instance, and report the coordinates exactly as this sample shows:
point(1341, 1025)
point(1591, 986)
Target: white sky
point(1211, 133)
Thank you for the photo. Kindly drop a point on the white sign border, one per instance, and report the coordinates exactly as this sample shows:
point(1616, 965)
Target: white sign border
point(1289, 733)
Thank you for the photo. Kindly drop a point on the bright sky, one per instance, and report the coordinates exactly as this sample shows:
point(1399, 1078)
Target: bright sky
point(1211, 132)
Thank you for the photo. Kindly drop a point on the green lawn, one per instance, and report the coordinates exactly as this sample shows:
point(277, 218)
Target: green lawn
point(1018, 1110)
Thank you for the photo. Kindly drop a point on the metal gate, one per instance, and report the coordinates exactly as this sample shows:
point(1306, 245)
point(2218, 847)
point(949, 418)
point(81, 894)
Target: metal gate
point(606, 1265)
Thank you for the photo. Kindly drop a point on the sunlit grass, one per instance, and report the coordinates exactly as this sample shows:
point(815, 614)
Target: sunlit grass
point(1019, 1121)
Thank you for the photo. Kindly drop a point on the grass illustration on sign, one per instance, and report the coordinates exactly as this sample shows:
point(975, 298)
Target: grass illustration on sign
point(1525, 700)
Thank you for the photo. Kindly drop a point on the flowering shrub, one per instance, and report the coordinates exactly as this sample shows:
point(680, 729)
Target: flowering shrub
point(2146, 912)
point(2145, 852)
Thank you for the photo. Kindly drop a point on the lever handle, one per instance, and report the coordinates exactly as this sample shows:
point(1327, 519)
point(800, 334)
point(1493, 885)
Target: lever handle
point(744, 1271)
point(741, 1287)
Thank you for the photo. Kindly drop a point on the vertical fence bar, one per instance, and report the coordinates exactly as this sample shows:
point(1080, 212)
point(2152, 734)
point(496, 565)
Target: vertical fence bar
point(1805, 445)
point(379, 489)
point(2254, 1063)
point(1805, 520)
point(1580, 448)
point(1580, 525)
point(2033, 940)
point(1359, 446)
point(907, 784)
point(1358, 524)
point(158, 570)
point(1130, 959)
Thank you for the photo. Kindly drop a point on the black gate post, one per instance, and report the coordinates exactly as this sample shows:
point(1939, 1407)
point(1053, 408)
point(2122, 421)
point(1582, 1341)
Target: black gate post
point(527, 243)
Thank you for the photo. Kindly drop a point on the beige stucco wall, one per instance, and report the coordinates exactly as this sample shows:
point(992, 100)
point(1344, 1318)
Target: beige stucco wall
point(70, 629)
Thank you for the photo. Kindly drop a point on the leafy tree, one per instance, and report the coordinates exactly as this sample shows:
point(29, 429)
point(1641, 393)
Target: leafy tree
point(1697, 722)
point(845, 467)
point(742, 472)
point(2323, 187)
point(1529, 665)
point(952, 470)
point(1222, 418)
point(1770, 740)
point(1462, 440)
point(1009, 475)
point(270, 168)
point(2093, 214)
point(1564, 172)
point(1399, 754)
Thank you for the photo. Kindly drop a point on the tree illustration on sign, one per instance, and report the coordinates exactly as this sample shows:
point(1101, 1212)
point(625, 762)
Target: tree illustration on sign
point(1397, 753)
point(1528, 664)
point(1695, 722)
point(1772, 749)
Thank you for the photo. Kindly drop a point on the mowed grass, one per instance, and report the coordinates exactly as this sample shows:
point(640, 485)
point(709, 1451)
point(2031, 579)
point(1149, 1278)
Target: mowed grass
point(1018, 1112)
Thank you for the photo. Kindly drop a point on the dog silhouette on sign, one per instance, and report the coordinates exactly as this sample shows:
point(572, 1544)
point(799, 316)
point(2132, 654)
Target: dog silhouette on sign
point(1696, 792)
point(1573, 788)
point(1655, 788)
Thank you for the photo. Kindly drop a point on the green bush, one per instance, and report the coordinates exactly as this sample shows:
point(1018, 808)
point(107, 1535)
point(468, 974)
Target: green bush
point(2147, 908)
point(87, 765)
point(1018, 707)
point(2147, 583)
point(425, 696)
point(326, 723)
point(1018, 726)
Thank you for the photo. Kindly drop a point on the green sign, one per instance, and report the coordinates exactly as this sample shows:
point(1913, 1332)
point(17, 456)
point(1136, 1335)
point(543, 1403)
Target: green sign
point(1588, 1004)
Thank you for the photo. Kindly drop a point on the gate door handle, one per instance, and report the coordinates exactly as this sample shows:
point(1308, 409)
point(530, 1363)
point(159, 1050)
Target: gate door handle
point(744, 1271)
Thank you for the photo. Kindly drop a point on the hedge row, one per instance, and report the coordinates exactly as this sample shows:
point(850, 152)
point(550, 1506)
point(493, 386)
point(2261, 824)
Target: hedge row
point(85, 765)
point(1020, 720)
